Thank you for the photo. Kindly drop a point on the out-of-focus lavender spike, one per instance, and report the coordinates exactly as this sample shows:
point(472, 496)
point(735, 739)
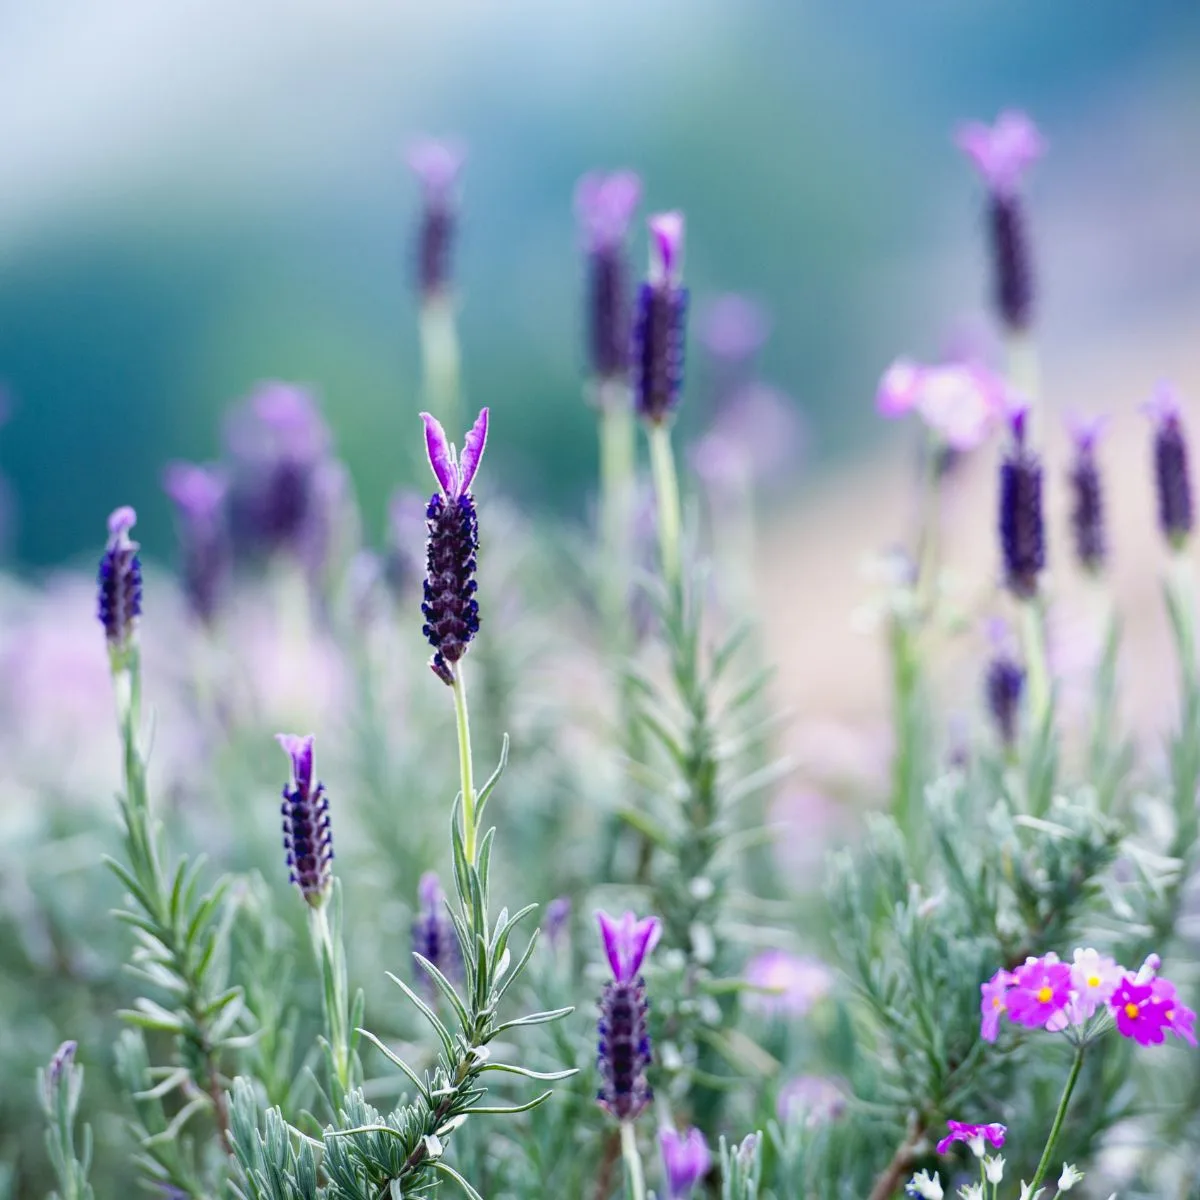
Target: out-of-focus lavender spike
point(557, 924)
point(307, 830)
point(119, 582)
point(450, 609)
point(1021, 523)
point(733, 329)
point(686, 1160)
point(604, 206)
point(1172, 476)
point(659, 324)
point(755, 440)
point(404, 559)
point(1004, 684)
point(437, 165)
point(199, 495)
point(1002, 153)
point(1087, 495)
point(433, 935)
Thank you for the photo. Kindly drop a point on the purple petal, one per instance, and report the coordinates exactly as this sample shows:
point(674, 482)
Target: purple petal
point(611, 930)
point(1163, 405)
point(473, 451)
point(121, 521)
point(645, 937)
point(666, 247)
point(437, 165)
point(429, 891)
point(897, 391)
point(300, 751)
point(1085, 431)
point(197, 491)
point(440, 457)
point(1002, 152)
point(604, 206)
point(627, 941)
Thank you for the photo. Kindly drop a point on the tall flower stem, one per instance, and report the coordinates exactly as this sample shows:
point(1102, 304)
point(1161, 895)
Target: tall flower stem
point(1033, 637)
point(1024, 370)
point(464, 762)
point(1059, 1117)
point(440, 358)
point(633, 1161)
point(666, 492)
point(618, 452)
point(331, 956)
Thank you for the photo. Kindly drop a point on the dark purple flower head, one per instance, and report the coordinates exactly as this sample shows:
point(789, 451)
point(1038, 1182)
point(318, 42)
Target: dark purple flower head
point(1087, 495)
point(974, 1135)
point(734, 328)
point(199, 495)
point(1004, 683)
point(120, 582)
point(437, 166)
point(659, 323)
point(604, 206)
point(1136, 1013)
point(433, 935)
point(627, 941)
point(1021, 523)
point(307, 833)
point(1172, 475)
point(450, 608)
point(686, 1160)
point(557, 924)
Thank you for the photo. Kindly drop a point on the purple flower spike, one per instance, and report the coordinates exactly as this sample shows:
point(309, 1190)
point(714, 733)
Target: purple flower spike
point(450, 608)
point(1021, 521)
point(437, 166)
point(1002, 152)
point(604, 206)
point(627, 941)
point(659, 324)
point(199, 495)
point(686, 1160)
point(1172, 475)
point(1087, 495)
point(119, 581)
point(557, 925)
point(433, 934)
point(307, 832)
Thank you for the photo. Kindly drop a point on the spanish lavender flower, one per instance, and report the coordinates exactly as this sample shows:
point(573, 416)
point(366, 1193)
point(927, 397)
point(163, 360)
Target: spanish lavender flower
point(307, 834)
point(120, 582)
point(659, 323)
point(1087, 499)
point(1002, 153)
point(624, 1043)
point(433, 935)
point(557, 924)
point(403, 564)
point(686, 1160)
point(437, 166)
point(604, 206)
point(199, 496)
point(789, 984)
point(1022, 534)
point(278, 444)
point(1003, 685)
point(1171, 475)
point(974, 1135)
point(733, 329)
point(962, 402)
point(450, 608)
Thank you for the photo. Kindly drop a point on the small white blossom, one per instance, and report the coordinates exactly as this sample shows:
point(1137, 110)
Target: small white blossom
point(977, 1145)
point(971, 1191)
point(926, 1187)
point(1069, 1177)
point(994, 1169)
point(1028, 1194)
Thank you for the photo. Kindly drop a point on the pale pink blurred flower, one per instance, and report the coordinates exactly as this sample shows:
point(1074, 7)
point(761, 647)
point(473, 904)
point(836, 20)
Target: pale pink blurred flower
point(792, 983)
point(1002, 152)
point(809, 823)
point(813, 1099)
point(756, 439)
point(960, 401)
point(733, 328)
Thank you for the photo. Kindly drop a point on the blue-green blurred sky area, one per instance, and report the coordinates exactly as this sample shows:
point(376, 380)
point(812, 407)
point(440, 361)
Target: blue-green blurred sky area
point(201, 194)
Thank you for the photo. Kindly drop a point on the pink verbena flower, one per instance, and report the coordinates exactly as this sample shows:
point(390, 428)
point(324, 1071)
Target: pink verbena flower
point(1179, 1019)
point(1002, 152)
point(960, 401)
point(1041, 990)
point(994, 1003)
point(1094, 978)
point(973, 1135)
point(790, 984)
point(1137, 1014)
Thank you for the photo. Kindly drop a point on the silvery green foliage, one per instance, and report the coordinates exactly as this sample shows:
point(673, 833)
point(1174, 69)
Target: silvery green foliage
point(59, 1087)
point(741, 1168)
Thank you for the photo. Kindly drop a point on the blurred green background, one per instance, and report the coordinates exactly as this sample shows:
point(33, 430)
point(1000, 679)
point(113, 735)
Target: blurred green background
point(197, 196)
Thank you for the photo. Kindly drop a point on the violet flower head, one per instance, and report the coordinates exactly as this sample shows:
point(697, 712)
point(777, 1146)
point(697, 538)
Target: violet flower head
point(1172, 476)
point(1137, 1014)
point(1021, 521)
point(1177, 1017)
point(557, 924)
point(1040, 991)
point(119, 581)
point(307, 833)
point(1002, 153)
point(1003, 685)
point(974, 1135)
point(962, 402)
point(199, 495)
point(404, 560)
point(450, 608)
point(1087, 495)
point(659, 323)
point(433, 934)
point(790, 984)
point(686, 1160)
point(994, 1003)
point(437, 165)
point(623, 1052)
point(604, 206)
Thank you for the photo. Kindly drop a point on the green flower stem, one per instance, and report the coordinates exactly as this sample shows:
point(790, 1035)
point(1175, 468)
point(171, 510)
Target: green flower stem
point(334, 999)
point(666, 492)
point(1033, 638)
point(1059, 1117)
point(440, 359)
point(464, 761)
point(633, 1161)
point(1025, 375)
point(618, 454)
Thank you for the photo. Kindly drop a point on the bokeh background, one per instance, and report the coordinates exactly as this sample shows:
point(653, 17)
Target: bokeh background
point(204, 195)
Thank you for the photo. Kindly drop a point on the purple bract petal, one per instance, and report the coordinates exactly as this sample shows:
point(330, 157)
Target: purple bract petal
point(1086, 431)
point(473, 448)
point(441, 459)
point(437, 164)
point(666, 247)
point(197, 491)
point(627, 941)
point(1164, 404)
point(1002, 152)
point(121, 521)
point(604, 205)
point(897, 392)
point(300, 751)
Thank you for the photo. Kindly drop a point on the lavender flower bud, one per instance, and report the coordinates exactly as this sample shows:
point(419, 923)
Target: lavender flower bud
point(433, 935)
point(437, 166)
point(450, 608)
point(120, 582)
point(604, 205)
point(557, 925)
point(1022, 534)
point(1171, 474)
point(199, 495)
point(1087, 498)
point(623, 1053)
point(686, 1160)
point(307, 833)
point(60, 1067)
point(1004, 683)
point(659, 324)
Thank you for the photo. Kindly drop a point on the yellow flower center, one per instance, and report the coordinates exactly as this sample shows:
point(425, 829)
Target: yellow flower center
point(1131, 1011)
point(997, 1001)
point(1093, 981)
point(1044, 995)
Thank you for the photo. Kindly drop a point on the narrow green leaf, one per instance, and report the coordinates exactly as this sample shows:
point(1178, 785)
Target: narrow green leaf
point(507, 1110)
point(428, 1013)
point(398, 1062)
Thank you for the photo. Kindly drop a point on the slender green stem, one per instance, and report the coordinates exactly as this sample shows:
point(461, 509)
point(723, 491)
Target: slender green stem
point(1024, 374)
point(464, 761)
point(1033, 637)
point(618, 452)
point(333, 976)
point(440, 359)
point(1059, 1117)
point(633, 1162)
point(666, 492)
